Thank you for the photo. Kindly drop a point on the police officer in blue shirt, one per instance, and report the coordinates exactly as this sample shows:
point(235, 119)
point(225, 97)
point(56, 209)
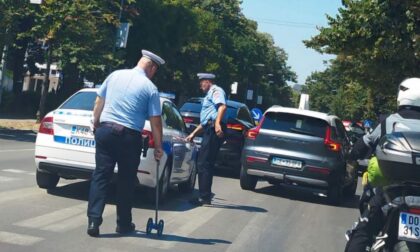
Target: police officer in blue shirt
point(211, 123)
point(125, 100)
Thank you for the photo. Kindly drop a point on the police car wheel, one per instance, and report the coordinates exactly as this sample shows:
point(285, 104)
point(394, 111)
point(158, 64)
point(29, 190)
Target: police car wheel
point(189, 185)
point(46, 180)
point(163, 187)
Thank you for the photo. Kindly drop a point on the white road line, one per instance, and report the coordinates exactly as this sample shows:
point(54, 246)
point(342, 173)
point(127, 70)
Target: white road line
point(15, 150)
point(181, 224)
point(19, 194)
point(7, 179)
point(249, 235)
point(76, 221)
point(50, 218)
point(14, 171)
point(18, 239)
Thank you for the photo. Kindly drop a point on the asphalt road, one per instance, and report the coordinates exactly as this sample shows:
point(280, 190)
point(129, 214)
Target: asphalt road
point(269, 219)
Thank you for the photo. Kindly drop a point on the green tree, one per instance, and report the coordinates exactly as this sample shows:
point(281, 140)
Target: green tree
point(377, 44)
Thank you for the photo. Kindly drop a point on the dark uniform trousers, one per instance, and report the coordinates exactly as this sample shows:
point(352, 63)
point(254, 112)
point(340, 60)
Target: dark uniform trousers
point(114, 144)
point(209, 149)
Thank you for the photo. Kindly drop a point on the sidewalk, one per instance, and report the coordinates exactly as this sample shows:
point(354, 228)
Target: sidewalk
point(19, 124)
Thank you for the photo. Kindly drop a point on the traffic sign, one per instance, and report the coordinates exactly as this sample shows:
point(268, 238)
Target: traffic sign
point(256, 114)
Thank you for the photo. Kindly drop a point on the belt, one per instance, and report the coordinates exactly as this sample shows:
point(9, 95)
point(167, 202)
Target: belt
point(116, 125)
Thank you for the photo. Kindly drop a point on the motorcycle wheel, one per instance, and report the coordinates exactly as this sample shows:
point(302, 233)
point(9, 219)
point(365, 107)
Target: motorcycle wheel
point(403, 246)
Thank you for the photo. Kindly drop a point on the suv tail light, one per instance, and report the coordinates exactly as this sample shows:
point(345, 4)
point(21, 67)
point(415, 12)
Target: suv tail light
point(253, 133)
point(148, 134)
point(47, 126)
point(188, 120)
point(235, 126)
point(330, 143)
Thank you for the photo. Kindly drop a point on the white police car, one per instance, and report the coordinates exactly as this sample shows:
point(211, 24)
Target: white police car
point(65, 147)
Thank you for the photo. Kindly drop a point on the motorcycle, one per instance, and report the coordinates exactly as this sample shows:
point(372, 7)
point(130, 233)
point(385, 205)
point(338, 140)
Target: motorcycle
point(401, 230)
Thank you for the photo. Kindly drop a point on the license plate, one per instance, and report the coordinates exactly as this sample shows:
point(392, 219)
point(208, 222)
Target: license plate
point(81, 131)
point(409, 227)
point(286, 163)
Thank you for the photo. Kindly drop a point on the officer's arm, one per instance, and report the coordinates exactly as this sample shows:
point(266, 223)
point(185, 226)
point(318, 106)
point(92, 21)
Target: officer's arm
point(220, 113)
point(97, 111)
point(196, 131)
point(156, 124)
point(366, 143)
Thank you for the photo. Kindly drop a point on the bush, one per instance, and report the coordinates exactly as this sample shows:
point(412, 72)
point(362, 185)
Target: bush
point(26, 103)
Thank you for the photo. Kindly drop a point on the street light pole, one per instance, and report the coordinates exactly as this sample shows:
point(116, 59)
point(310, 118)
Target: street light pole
point(3, 69)
point(258, 66)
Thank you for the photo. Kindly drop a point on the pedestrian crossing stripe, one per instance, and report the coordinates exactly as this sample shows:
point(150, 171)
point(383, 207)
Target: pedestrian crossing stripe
point(18, 239)
point(7, 179)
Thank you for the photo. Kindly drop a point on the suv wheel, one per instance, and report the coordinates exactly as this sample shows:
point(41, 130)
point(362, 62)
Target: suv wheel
point(334, 194)
point(46, 180)
point(248, 182)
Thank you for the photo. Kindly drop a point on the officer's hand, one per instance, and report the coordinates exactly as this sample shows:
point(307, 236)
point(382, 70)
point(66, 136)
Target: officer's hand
point(189, 138)
point(158, 153)
point(218, 129)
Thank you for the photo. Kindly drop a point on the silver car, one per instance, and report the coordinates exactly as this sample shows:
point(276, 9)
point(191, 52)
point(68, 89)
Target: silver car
point(299, 147)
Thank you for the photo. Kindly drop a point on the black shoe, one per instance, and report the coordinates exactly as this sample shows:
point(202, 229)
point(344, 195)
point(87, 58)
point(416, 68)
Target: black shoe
point(93, 229)
point(200, 201)
point(125, 229)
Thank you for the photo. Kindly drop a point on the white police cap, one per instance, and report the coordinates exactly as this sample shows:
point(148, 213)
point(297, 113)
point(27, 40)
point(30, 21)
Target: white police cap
point(206, 76)
point(153, 57)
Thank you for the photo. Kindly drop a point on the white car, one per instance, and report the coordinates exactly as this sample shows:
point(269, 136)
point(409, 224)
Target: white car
point(65, 147)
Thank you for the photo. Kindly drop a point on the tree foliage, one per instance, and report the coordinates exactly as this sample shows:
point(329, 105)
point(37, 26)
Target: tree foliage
point(191, 35)
point(377, 44)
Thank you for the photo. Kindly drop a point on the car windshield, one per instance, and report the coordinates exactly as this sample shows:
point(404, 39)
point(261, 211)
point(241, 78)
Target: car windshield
point(80, 101)
point(293, 123)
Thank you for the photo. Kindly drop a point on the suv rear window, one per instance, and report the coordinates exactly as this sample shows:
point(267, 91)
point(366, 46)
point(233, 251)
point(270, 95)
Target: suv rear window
point(293, 123)
point(81, 101)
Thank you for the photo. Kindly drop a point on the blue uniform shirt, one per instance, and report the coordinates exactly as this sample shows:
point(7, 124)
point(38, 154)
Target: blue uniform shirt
point(214, 96)
point(130, 98)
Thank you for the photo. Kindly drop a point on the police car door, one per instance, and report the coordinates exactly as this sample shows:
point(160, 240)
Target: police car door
point(174, 131)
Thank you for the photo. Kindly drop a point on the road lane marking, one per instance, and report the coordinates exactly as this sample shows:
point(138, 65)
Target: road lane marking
point(18, 239)
point(247, 238)
point(7, 179)
point(50, 218)
point(15, 150)
point(76, 221)
point(19, 194)
point(178, 224)
point(14, 171)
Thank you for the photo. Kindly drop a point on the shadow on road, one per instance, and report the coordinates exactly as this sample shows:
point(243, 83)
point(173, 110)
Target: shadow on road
point(17, 135)
point(169, 237)
point(300, 194)
point(251, 209)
